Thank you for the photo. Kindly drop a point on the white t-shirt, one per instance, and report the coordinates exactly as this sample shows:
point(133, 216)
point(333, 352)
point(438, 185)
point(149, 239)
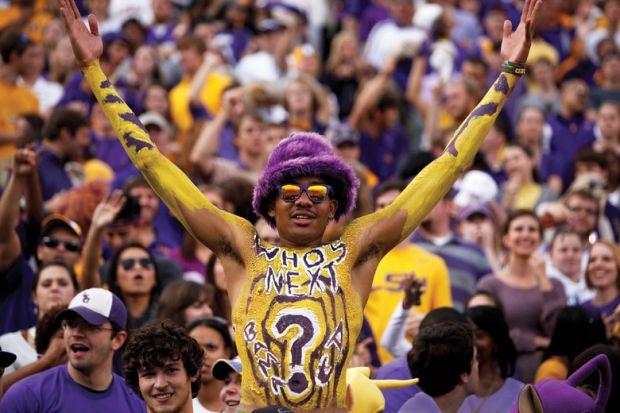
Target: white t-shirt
point(16, 344)
point(198, 408)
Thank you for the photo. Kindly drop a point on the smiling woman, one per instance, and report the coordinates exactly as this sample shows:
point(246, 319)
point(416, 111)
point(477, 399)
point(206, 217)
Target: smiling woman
point(530, 299)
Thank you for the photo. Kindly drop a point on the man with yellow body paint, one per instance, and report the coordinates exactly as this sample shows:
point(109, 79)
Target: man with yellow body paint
point(297, 307)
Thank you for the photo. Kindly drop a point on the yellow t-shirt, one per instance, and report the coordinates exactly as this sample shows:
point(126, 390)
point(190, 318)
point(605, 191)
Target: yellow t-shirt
point(527, 196)
point(552, 368)
point(211, 97)
point(14, 101)
point(387, 288)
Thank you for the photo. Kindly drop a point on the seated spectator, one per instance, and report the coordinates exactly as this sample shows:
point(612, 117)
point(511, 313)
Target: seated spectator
point(214, 338)
point(571, 132)
point(184, 302)
point(602, 275)
point(566, 255)
point(55, 285)
point(522, 190)
point(574, 332)
point(133, 277)
point(155, 227)
point(94, 329)
point(530, 131)
point(398, 368)
point(229, 371)
point(609, 86)
point(607, 129)
point(496, 357)
point(115, 220)
point(444, 358)
point(465, 260)
point(162, 360)
point(530, 299)
point(477, 224)
point(306, 104)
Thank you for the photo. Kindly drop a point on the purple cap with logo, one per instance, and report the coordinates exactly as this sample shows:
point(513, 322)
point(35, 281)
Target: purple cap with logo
point(97, 306)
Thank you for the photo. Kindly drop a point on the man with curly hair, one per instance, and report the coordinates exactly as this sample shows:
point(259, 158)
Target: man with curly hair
point(162, 365)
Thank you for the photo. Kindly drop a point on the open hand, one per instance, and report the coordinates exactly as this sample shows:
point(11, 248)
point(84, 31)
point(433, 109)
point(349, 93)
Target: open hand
point(516, 45)
point(108, 209)
point(87, 46)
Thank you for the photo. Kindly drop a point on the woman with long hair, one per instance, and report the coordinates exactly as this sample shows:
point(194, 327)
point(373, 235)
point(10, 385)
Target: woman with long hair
point(530, 299)
point(133, 278)
point(55, 284)
point(496, 362)
point(574, 332)
point(185, 301)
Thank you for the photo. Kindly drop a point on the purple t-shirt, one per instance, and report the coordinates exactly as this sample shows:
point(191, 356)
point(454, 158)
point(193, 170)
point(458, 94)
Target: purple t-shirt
point(569, 137)
point(421, 402)
point(499, 401)
point(396, 369)
point(52, 175)
point(593, 310)
point(383, 154)
point(16, 305)
point(111, 152)
point(55, 391)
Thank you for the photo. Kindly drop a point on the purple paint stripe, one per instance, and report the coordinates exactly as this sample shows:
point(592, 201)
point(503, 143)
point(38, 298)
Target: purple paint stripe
point(483, 110)
point(501, 85)
point(130, 141)
point(131, 117)
point(105, 84)
point(112, 99)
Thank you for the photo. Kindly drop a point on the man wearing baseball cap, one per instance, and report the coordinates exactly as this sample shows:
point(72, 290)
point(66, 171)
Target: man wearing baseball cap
point(229, 371)
point(6, 359)
point(94, 328)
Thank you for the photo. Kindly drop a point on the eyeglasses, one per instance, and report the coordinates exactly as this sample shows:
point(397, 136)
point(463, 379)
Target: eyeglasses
point(129, 263)
point(578, 209)
point(83, 325)
point(53, 242)
point(317, 192)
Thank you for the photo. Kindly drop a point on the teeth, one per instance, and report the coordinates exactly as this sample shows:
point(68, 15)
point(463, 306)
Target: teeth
point(163, 395)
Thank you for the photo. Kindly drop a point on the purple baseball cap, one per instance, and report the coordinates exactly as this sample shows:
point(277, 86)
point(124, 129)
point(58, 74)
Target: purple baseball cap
point(97, 306)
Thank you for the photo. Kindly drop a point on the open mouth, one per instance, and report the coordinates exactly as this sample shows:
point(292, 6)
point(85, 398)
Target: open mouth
point(232, 403)
point(79, 349)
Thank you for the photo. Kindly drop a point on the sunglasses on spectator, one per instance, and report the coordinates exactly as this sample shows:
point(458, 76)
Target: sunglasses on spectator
point(53, 242)
point(129, 263)
point(317, 193)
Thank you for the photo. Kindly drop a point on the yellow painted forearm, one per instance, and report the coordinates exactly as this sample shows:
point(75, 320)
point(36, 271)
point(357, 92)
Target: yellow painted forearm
point(430, 185)
point(168, 181)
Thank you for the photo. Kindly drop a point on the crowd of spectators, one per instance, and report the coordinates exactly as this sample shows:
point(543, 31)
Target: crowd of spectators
point(530, 232)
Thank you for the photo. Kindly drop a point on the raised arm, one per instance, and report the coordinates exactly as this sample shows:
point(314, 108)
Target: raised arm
point(381, 231)
point(224, 233)
point(24, 176)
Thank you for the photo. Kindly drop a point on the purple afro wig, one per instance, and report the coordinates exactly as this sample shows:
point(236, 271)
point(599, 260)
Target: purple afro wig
point(305, 154)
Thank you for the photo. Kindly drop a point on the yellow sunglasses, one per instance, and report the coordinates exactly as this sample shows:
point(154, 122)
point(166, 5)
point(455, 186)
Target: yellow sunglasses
point(317, 193)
